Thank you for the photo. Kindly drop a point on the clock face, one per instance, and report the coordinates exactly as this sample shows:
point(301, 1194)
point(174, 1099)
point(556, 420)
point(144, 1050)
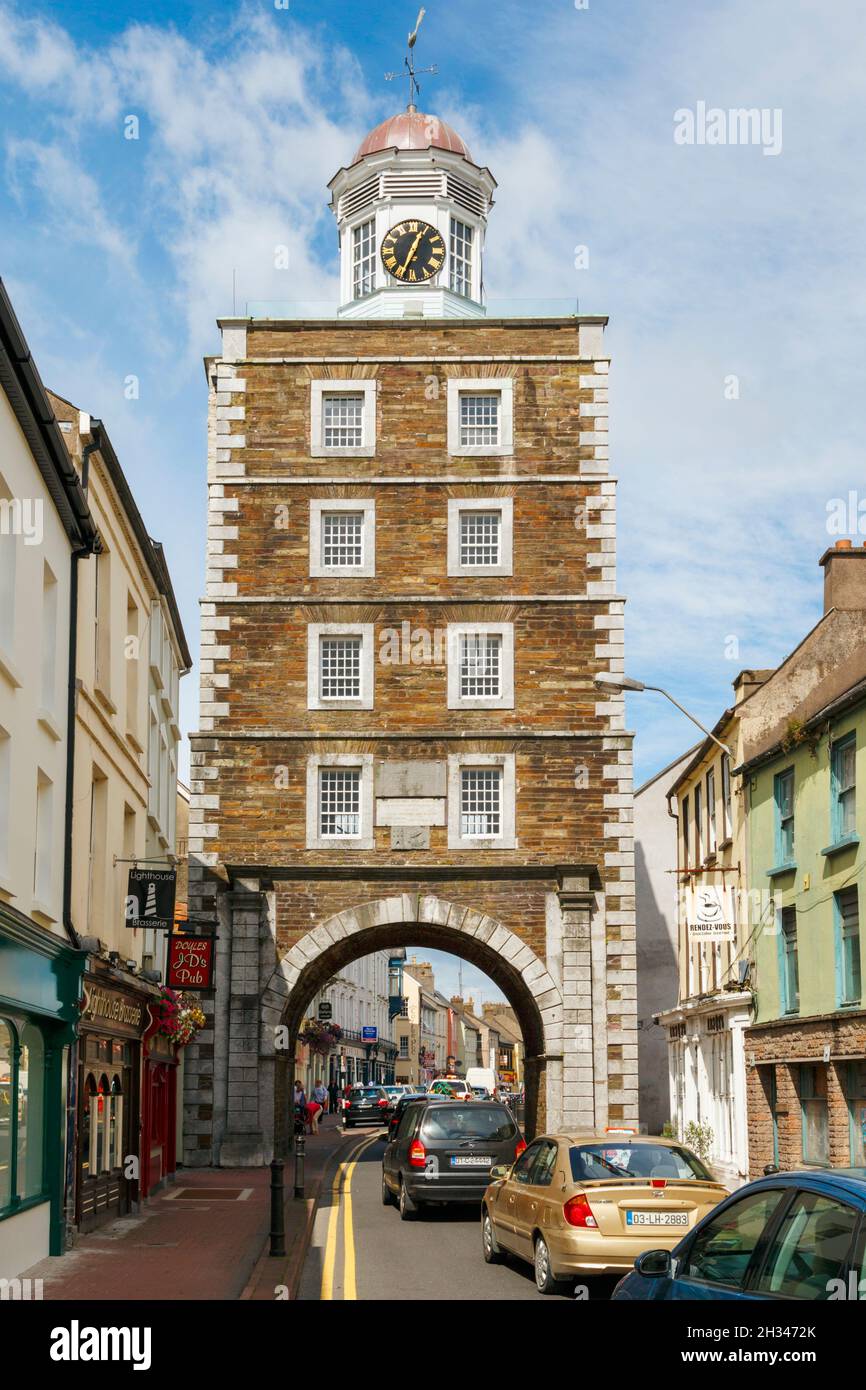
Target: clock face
point(413, 251)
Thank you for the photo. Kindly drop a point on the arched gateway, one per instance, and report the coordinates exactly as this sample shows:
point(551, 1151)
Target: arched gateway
point(413, 919)
point(411, 589)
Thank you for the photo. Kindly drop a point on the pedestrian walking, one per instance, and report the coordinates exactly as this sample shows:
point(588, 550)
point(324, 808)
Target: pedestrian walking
point(299, 1101)
point(333, 1097)
point(320, 1096)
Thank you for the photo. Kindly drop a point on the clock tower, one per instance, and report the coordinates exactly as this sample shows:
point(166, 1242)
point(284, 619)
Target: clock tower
point(410, 591)
point(412, 210)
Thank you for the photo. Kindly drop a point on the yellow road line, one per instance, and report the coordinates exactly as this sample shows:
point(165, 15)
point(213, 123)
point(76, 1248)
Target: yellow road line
point(329, 1260)
point(350, 1291)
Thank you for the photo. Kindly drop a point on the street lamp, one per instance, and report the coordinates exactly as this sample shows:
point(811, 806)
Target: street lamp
point(613, 682)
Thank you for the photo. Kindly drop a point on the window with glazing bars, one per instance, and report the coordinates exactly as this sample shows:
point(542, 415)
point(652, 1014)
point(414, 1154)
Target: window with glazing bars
point(480, 664)
point(479, 420)
point(790, 962)
point(340, 668)
point(479, 538)
point(343, 421)
point(339, 801)
point(461, 257)
point(847, 905)
point(844, 787)
point(364, 259)
point(342, 539)
point(784, 792)
point(481, 801)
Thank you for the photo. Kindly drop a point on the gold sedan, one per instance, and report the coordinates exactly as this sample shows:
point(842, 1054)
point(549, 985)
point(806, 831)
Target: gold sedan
point(577, 1204)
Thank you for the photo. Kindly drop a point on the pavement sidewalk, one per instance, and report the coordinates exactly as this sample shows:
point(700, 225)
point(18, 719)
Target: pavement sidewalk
point(205, 1236)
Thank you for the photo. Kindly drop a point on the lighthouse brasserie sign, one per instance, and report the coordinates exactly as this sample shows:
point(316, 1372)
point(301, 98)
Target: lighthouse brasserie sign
point(113, 1009)
point(150, 897)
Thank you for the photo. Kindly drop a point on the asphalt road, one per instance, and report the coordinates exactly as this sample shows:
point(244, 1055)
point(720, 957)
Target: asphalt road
point(362, 1250)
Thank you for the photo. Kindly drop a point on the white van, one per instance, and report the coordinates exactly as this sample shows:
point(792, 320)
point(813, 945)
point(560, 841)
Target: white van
point(482, 1076)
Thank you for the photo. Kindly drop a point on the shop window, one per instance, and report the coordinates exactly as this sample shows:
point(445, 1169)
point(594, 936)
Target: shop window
point(7, 1110)
point(115, 1145)
point(813, 1105)
point(22, 1113)
point(89, 1126)
point(855, 1092)
point(31, 1112)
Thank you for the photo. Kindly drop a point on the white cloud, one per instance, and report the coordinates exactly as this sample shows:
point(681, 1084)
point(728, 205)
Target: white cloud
point(711, 261)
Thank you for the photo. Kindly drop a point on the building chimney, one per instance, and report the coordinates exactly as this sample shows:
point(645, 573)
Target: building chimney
point(844, 576)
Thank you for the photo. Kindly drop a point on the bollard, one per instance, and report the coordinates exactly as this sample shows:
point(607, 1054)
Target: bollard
point(300, 1146)
point(278, 1223)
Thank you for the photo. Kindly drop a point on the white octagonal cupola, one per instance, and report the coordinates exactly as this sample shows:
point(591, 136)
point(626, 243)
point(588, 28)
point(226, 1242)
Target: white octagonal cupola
point(412, 211)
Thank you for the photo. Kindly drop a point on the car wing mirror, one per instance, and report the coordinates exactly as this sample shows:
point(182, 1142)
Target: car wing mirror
point(501, 1170)
point(655, 1264)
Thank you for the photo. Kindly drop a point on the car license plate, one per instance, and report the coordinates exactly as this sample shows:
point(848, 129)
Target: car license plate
point(470, 1161)
point(657, 1218)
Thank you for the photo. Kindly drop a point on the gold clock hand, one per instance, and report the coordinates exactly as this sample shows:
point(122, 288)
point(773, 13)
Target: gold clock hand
point(412, 252)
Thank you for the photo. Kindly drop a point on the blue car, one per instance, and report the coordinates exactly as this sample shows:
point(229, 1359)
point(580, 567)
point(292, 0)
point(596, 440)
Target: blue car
point(799, 1235)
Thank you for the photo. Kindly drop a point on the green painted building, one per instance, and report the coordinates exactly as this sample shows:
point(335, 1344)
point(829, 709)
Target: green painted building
point(807, 837)
point(806, 1051)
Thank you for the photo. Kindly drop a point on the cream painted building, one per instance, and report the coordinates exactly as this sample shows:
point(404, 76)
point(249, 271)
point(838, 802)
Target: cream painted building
point(132, 652)
point(45, 525)
point(716, 915)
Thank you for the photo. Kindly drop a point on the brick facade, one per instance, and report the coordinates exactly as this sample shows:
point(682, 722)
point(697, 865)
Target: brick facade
point(779, 1051)
point(551, 919)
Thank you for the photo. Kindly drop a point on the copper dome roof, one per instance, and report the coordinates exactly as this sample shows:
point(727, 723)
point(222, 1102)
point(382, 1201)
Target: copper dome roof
point(412, 130)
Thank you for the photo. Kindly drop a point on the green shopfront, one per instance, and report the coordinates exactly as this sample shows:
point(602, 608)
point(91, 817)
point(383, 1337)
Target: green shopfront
point(40, 985)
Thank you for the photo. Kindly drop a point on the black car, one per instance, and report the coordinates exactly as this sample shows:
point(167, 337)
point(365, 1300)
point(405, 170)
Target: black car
point(365, 1105)
point(396, 1112)
point(443, 1152)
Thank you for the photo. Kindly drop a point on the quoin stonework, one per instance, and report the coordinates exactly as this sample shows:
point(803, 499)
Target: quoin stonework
point(411, 587)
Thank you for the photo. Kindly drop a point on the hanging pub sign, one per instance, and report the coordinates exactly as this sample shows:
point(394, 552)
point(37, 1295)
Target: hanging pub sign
point(326, 1010)
point(711, 913)
point(150, 897)
point(190, 962)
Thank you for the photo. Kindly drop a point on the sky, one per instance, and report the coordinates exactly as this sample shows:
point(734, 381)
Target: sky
point(732, 272)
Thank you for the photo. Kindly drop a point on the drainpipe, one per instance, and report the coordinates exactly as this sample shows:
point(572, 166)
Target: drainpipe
point(70, 711)
point(72, 1064)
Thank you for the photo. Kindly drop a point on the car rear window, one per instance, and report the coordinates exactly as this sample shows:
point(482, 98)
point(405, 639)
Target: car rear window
point(365, 1095)
point(491, 1122)
point(616, 1159)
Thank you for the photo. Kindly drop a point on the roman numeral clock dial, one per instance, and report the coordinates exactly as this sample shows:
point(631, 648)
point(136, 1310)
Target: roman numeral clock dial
point(413, 252)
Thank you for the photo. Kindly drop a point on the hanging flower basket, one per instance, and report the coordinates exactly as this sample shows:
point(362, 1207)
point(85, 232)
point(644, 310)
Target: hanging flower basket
point(180, 1016)
point(320, 1037)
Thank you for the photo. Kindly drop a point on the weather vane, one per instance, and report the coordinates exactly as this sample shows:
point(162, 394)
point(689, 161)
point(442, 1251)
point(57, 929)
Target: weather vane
point(414, 85)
